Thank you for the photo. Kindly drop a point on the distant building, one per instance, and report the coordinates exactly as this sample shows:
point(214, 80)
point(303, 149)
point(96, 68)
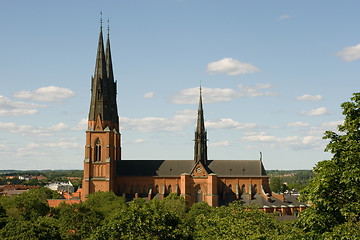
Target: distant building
point(216, 182)
point(61, 187)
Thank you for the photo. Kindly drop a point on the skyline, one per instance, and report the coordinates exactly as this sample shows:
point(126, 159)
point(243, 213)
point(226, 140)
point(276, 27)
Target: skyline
point(273, 78)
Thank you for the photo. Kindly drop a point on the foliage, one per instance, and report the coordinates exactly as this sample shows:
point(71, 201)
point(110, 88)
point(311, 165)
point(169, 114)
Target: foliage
point(77, 221)
point(335, 190)
point(42, 228)
point(28, 206)
point(277, 185)
point(143, 220)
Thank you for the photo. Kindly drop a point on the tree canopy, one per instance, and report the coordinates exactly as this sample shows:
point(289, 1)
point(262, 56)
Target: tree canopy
point(335, 189)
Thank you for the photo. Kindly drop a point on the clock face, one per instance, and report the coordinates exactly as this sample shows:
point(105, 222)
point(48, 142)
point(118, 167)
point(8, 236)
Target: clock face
point(199, 169)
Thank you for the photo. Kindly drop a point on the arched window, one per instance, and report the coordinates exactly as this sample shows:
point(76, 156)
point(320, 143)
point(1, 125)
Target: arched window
point(224, 188)
point(255, 189)
point(144, 190)
point(137, 190)
point(198, 195)
point(131, 189)
point(97, 150)
point(170, 189)
point(243, 190)
point(156, 189)
point(230, 189)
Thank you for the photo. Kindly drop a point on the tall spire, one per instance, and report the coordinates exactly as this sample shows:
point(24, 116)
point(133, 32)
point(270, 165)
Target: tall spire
point(109, 68)
point(100, 66)
point(103, 88)
point(200, 148)
point(110, 76)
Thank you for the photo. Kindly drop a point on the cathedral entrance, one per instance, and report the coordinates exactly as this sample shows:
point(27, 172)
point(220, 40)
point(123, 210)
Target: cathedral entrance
point(198, 196)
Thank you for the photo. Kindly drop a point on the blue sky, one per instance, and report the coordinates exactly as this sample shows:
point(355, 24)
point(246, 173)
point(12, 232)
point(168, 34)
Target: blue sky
point(274, 74)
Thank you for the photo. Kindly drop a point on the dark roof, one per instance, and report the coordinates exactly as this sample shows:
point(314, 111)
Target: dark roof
point(259, 199)
point(166, 168)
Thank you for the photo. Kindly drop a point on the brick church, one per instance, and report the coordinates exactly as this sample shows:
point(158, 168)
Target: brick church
point(216, 182)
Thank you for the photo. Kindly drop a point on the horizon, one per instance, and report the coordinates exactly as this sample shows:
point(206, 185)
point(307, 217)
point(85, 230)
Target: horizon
point(273, 78)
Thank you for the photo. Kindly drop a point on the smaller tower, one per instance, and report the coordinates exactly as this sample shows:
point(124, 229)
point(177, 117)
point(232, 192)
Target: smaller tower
point(200, 148)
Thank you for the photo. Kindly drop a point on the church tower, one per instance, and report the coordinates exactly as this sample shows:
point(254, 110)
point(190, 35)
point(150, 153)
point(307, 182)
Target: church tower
point(200, 148)
point(102, 148)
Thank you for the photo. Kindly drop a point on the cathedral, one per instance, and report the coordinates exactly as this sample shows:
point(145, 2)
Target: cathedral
point(217, 182)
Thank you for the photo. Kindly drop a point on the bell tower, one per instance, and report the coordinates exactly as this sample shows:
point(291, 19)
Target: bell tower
point(102, 148)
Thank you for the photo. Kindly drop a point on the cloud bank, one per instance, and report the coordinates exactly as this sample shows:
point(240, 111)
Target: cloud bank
point(46, 94)
point(211, 95)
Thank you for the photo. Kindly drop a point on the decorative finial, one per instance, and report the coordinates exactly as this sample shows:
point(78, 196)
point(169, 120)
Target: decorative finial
point(108, 27)
point(101, 19)
point(200, 86)
point(260, 156)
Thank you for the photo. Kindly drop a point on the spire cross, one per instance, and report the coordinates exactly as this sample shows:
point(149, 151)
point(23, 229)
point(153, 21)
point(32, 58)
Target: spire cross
point(108, 27)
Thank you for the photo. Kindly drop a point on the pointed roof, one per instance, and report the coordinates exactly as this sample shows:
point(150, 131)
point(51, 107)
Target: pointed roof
point(200, 148)
point(200, 127)
point(100, 66)
point(109, 67)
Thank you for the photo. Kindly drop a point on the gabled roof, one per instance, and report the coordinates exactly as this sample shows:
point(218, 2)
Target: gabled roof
point(174, 168)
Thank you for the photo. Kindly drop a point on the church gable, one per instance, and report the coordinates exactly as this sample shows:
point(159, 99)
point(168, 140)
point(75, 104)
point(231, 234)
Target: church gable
point(199, 170)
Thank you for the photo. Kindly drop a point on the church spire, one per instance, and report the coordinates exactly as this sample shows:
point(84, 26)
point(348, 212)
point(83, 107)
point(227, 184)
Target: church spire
point(103, 87)
point(109, 67)
point(100, 66)
point(200, 148)
point(110, 76)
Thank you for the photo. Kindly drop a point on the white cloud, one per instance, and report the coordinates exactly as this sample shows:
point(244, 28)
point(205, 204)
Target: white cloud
point(140, 140)
point(286, 143)
point(283, 17)
point(316, 112)
point(30, 130)
point(59, 127)
point(81, 125)
point(149, 95)
point(326, 126)
point(219, 144)
point(308, 97)
point(62, 145)
point(230, 66)
point(297, 124)
point(13, 108)
point(46, 94)
point(350, 54)
point(156, 124)
point(211, 95)
point(228, 123)
point(259, 138)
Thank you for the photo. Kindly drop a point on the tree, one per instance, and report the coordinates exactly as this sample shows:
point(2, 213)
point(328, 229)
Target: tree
point(277, 185)
point(335, 189)
point(143, 220)
point(27, 206)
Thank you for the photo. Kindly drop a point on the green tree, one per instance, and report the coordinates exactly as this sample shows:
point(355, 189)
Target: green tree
point(31, 182)
point(43, 228)
point(77, 221)
point(143, 220)
point(277, 185)
point(3, 217)
point(27, 206)
point(335, 189)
